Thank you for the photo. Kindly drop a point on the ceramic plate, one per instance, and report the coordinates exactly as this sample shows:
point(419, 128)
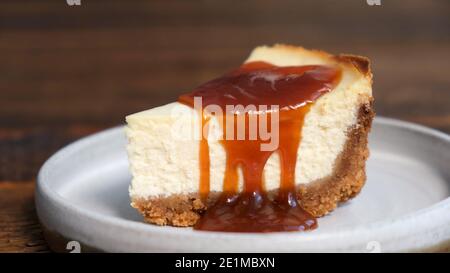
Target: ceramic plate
point(82, 198)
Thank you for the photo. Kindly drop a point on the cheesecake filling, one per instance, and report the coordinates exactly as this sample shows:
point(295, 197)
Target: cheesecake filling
point(285, 94)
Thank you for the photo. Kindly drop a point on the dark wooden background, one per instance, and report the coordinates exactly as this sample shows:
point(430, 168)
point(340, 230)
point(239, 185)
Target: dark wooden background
point(66, 72)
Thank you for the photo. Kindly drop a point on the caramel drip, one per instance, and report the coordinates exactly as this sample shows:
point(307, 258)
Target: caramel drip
point(292, 89)
point(204, 158)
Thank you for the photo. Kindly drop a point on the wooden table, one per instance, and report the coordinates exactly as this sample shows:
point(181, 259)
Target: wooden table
point(68, 71)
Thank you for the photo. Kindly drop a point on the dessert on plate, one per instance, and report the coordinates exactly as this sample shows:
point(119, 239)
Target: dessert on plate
point(268, 146)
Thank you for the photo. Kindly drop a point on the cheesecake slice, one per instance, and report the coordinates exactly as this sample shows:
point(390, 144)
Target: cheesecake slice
point(186, 175)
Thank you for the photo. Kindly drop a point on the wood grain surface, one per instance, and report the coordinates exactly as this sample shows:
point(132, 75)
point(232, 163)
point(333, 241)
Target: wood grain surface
point(68, 71)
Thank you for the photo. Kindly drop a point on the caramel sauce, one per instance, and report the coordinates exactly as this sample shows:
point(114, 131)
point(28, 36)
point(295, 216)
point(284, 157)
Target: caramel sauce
point(293, 89)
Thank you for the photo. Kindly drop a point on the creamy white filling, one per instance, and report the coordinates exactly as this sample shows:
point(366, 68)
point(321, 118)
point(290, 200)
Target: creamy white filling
point(163, 164)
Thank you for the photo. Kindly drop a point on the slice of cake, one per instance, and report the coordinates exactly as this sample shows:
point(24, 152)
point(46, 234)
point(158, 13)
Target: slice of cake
point(268, 146)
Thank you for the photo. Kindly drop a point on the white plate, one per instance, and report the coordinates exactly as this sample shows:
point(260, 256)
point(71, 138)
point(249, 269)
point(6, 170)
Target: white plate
point(82, 194)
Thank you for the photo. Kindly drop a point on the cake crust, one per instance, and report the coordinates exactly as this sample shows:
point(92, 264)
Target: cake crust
point(318, 198)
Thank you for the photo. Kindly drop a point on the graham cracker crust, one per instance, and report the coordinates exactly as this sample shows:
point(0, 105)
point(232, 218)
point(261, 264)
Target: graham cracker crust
point(318, 198)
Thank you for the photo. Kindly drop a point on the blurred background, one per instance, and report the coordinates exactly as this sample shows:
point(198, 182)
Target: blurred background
point(68, 71)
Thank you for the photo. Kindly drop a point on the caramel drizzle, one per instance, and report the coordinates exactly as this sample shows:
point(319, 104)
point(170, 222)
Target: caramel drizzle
point(294, 89)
